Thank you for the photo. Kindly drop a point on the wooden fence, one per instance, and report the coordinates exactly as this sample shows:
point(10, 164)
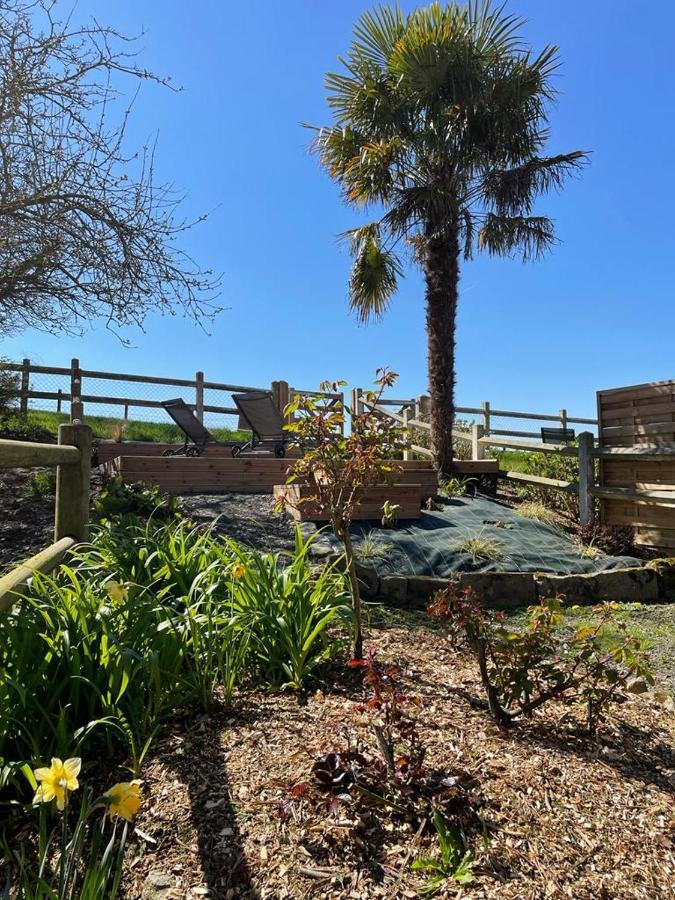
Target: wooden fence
point(637, 453)
point(72, 459)
point(417, 409)
point(82, 391)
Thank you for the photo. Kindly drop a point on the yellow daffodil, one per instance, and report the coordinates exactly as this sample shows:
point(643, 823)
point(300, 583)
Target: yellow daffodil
point(238, 571)
point(124, 799)
point(116, 591)
point(57, 780)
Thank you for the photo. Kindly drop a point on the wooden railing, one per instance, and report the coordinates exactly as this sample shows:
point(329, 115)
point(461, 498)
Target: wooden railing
point(416, 409)
point(72, 459)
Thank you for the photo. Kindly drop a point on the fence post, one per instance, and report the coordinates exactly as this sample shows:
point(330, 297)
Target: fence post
point(423, 408)
point(356, 403)
point(405, 413)
point(477, 449)
point(586, 478)
point(76, 406)
point(72, 486)
point(486, 416)
point(25, 387)
point(563, 418)
point(199, 396)
point(59, 400)
point(282, 394)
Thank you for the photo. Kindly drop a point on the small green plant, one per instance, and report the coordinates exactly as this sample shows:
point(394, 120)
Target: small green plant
point(453, 862)
point(590, 551)
point(390, 514)
point(41, 483)
point(536, 509)
point(457, 487)
point(370, 547)
point(481, 548)
point(119, 430)
point(139, 499)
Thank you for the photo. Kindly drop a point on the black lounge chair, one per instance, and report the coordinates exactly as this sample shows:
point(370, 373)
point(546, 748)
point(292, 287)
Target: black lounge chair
point(261, 414)
point(197, 437)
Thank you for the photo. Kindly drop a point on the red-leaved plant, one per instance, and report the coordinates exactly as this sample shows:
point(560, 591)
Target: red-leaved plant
point(335, 468)
point(523, 668)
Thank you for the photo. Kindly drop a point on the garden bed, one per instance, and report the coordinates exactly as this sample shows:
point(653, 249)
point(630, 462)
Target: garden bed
point(566, 816)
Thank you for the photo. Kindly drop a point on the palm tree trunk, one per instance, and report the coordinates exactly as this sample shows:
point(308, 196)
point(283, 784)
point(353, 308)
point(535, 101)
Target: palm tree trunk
point(442, 281)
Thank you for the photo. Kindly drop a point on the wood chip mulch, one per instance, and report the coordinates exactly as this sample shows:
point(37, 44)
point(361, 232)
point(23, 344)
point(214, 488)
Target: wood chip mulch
point(566, 816)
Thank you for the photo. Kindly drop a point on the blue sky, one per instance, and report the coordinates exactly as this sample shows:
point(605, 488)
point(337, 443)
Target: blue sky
point(597, 313)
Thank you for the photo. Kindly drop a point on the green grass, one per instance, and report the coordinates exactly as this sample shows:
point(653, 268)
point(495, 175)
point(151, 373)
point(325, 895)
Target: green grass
point(103, 427)
point(512, 460)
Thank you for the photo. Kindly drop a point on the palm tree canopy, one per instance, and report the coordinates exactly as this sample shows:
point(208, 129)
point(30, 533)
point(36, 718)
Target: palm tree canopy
point(440, 121)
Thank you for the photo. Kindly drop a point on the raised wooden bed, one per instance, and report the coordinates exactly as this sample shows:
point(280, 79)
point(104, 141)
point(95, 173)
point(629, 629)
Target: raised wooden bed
point(108, 450)
point(217, 472)
point(203, 474)
point(407, 496)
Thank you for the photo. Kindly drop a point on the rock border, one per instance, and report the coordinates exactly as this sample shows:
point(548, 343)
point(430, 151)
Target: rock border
point(509, 590)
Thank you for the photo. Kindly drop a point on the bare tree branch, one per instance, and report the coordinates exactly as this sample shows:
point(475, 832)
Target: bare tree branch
point(85, 229)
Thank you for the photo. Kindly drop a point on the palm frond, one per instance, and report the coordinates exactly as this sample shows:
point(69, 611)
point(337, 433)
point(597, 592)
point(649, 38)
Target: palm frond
point(513, 191)
point(375, 273)
point(531, 236)
point(376, 34)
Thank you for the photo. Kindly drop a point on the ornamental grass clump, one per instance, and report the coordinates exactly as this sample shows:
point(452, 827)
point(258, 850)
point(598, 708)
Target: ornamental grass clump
point(521, 669)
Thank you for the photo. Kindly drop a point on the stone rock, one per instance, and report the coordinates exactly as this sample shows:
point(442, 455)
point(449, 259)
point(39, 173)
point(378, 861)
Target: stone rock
point(158, 886)
point(394, 588)
point(369, 582)
point(665, 569)
point(501, 590)
point(423, 587)
point(636, 585)
point(637, 685)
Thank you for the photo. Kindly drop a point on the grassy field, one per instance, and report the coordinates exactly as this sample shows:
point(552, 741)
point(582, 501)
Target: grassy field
point(133, 430)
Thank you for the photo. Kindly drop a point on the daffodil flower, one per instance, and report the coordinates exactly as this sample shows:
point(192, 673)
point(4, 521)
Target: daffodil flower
point(124, 799)
point(238, 571)
point(116, 591)
point(57, 780)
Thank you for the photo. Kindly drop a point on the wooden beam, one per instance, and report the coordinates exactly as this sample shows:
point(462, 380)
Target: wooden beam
point(657, 498)
point(539, 480)
point(637, 451)
point(15, 454)
point(534, 446)
point(13, 584)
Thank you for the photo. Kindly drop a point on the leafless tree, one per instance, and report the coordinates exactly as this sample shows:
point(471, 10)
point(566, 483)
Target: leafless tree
point(85, 229)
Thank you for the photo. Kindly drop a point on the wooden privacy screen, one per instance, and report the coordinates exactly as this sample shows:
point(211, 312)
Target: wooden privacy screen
point(639, 417)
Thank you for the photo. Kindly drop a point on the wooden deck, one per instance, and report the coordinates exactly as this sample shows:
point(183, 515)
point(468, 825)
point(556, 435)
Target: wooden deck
point(215, 472)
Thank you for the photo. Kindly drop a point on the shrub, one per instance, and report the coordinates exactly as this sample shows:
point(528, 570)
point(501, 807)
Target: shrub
point(523, 669)
point(552, 465)
point(9, 387)
point(139, 499)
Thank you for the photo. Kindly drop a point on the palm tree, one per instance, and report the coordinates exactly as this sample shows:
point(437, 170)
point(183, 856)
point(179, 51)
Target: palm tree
point(439, 120)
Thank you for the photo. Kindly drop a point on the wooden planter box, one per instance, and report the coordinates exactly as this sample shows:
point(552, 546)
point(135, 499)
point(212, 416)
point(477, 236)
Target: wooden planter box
point(407, 496)
point(108, 450)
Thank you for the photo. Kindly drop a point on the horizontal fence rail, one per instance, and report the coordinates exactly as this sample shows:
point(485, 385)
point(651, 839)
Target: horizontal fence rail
point(79, 389)
point(72, 459)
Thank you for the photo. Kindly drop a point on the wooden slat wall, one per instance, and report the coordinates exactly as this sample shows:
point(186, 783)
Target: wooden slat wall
point(630, 416)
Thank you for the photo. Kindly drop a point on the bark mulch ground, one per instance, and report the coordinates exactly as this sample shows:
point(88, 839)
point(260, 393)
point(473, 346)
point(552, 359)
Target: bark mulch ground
point(567, 816)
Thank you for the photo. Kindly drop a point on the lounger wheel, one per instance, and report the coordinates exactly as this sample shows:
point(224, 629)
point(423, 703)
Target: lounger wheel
point(236, 451)
point(280, 451)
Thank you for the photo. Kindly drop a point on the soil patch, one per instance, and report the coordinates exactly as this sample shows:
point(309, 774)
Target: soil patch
point(565, 816)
